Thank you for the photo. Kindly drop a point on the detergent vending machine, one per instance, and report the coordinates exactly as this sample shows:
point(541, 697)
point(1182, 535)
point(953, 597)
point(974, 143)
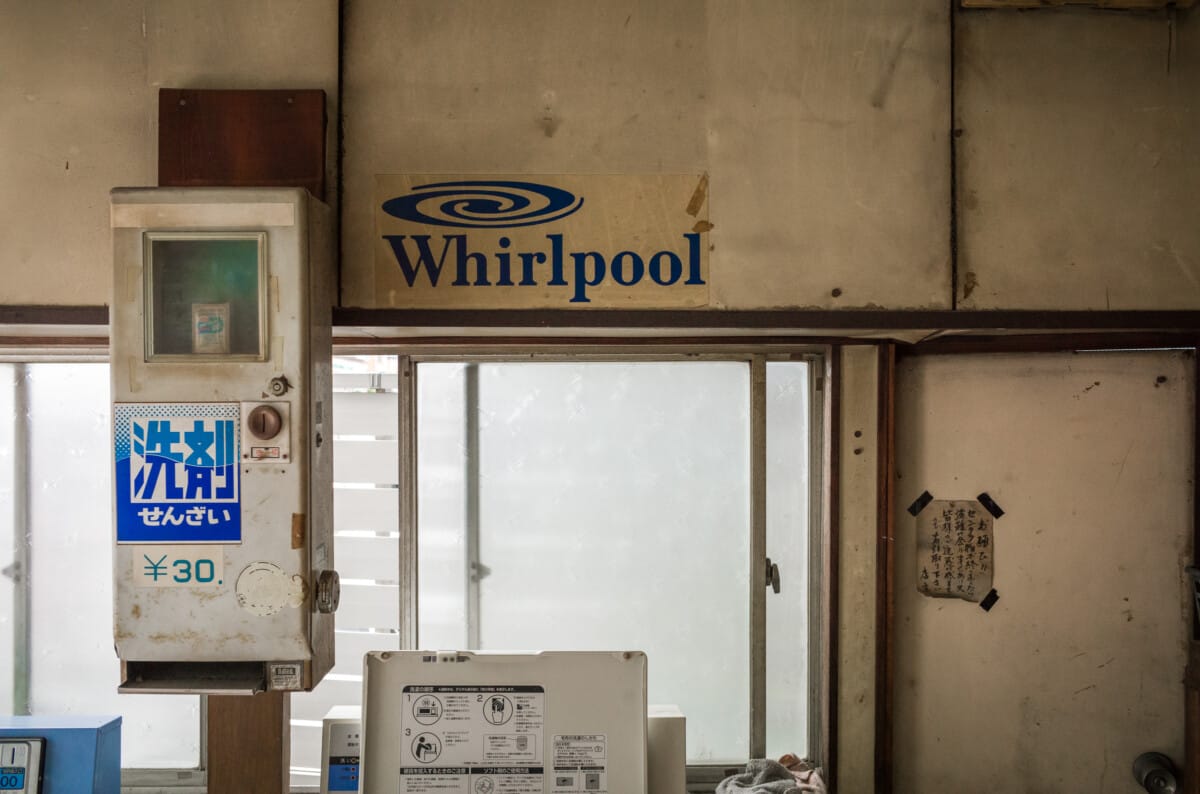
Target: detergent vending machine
point(222, 439)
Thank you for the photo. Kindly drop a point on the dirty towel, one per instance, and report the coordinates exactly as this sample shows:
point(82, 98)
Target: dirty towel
point(805, 773)
point(763, 777)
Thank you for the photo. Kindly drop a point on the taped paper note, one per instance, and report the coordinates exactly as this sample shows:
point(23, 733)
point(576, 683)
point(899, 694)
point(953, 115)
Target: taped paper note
point(955, 550)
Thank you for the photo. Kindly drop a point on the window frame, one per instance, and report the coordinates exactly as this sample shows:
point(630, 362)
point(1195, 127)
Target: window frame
point(134, 780)
point(822, 698)
point(822, 578)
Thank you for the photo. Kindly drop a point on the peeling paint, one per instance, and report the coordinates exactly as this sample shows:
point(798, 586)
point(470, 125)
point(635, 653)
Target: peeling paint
point(263, 589)
point(970, 284)
point(176, 637)
point(699, 196)
point(549, 123)
point(884, 87)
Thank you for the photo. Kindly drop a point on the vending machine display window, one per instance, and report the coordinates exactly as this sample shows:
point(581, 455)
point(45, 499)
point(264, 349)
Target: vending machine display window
point(206, 296)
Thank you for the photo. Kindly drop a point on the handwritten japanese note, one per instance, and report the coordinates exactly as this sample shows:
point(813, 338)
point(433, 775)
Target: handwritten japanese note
point(954, 550)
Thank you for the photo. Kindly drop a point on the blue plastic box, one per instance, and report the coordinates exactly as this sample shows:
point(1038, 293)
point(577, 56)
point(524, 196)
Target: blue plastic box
point(83, 754)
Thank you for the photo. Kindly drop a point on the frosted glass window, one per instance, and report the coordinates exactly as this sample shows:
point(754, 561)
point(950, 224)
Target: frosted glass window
point(73, 668)
point(788, 625)
point(442, 480)
point(579, 505)
point(611, 512)
point(9, 455)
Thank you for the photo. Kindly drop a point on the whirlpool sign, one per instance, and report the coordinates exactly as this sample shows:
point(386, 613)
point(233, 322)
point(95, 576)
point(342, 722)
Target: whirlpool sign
point(548, 242)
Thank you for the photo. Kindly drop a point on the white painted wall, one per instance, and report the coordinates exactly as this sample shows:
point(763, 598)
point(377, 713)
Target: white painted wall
point(79, 87)
point(1078, 668)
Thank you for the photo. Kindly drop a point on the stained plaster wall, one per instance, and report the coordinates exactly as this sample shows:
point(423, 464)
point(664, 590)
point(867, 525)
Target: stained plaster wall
point(1077, 163)
point(1078, 667)
point(79, 87)
point(824, 126)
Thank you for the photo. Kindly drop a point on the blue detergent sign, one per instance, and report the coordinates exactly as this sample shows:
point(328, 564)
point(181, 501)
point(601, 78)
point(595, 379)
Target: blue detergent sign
point(177, 474)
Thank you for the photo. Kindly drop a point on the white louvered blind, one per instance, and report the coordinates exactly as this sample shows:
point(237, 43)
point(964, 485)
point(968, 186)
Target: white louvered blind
point(366, 545)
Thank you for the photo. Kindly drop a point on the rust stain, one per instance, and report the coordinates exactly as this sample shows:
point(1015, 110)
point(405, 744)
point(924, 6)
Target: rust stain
point(298, 530)
point(702, 226)
point(699, 196)
point(549, 123)
point(970, 284)
point(176, 637)
point(884, 87)
point(136, 611)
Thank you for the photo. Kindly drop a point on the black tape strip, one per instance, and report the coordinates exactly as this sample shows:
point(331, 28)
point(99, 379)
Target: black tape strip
point(989, 505)
point(989, 600)
point(922, 502)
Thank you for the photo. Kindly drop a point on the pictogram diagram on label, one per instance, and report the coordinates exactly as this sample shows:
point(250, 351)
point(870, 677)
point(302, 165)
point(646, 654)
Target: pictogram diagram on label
point(473, 740)
point(427, 710)
point(580, 763)
point(427, 747)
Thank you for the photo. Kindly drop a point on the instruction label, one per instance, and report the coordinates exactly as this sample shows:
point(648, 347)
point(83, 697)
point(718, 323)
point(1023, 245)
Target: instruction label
point(285, 677)
point(345, 749)
point(581, 763)
point(472, 740)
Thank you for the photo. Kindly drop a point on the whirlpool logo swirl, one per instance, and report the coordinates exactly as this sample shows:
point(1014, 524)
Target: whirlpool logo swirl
point(479, 204)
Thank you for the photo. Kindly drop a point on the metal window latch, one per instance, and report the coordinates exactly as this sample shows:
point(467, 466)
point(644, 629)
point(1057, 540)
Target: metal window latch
point(772, 575)
point(12, 572)
point(479, 572)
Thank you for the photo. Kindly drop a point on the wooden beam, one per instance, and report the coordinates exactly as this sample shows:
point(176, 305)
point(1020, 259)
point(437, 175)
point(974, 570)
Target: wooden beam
point(1028, 321)
point(1191, 674)
point(777, 319)
point(249, 743)
point(242, 138)
point(832, 662)
point(1125, 4)
point(885, 607)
